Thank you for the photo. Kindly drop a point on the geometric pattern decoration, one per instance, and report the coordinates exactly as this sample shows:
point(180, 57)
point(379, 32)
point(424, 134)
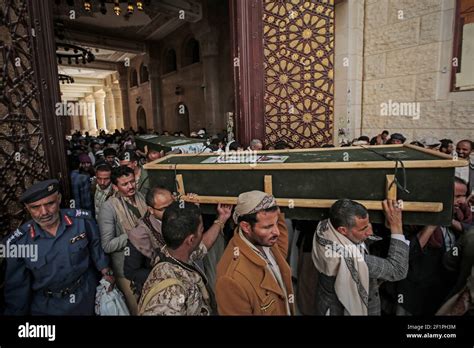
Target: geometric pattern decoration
point(22, 160)
point(299, 71)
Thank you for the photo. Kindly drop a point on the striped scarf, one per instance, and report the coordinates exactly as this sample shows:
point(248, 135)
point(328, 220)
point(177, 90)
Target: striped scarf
point(124, 207)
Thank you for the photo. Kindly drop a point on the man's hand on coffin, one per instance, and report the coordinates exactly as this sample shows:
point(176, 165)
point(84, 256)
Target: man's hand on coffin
point(193, 196)
point(393, 216)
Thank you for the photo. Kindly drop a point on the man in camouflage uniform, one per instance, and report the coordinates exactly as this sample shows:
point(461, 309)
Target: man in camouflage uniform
point(176, 285)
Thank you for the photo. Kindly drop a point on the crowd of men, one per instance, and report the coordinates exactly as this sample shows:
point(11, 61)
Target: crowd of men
point(167, 258)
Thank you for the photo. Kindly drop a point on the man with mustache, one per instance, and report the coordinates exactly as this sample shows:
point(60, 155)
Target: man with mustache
point(118, 216)
point(102, 186)
point(62, 277)
point(464, 149)
point(253, 277)
point(348, 274)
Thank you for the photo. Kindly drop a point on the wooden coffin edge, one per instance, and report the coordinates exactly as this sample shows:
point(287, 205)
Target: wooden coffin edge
point(390, 193)
point(445, 161)
point(425, 207)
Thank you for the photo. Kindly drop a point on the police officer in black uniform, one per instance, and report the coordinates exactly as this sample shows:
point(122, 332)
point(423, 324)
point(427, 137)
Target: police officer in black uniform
point(62, 277)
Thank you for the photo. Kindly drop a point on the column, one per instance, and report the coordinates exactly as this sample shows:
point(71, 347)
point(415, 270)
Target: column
point(348, 70)
point(76, 119)
point(123, 81)
point(155, 85)
point(83, 117)
point(91, 117)
point(209, 53)
point(99, 98)
point(110, 110)
point(117, 94)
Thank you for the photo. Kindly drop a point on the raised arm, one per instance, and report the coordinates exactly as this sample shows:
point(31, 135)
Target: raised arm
point(282, 242)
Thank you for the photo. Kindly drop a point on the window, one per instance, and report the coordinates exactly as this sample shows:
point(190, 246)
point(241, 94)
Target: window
point(133, 78)
point(143, 73)
point(191, 52)
point(170, 61)
point(463, 56)
point(141, 120)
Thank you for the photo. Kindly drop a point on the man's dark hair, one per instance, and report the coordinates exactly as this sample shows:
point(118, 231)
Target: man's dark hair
point(445, 144)
point(467, 141)
point(234, 146)
point(180, 220)
point(215, 141)
point(103, 168)
point(110, 152)
point(128, 155)
point(385, 132)
point(344, 211)
point(151, 193)
point(458, 180)
point(119, 172)
point(252, 218)
point(282, 145)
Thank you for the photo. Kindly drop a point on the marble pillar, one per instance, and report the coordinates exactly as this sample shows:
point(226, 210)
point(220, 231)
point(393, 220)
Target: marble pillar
point(91, 116)
point(209, 53)
point(110, 112)
point(118, 107)
point(99, 98)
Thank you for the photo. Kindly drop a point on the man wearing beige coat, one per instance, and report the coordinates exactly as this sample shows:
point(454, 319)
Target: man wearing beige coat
point(253, 277)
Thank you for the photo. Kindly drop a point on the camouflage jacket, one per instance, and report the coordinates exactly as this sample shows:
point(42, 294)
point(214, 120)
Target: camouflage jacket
point(176, 288)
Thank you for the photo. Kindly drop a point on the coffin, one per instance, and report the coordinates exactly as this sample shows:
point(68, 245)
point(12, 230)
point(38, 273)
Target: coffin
point(307, 182)
point(169, 143)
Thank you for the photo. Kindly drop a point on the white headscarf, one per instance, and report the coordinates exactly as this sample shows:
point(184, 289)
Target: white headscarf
point(335, 255)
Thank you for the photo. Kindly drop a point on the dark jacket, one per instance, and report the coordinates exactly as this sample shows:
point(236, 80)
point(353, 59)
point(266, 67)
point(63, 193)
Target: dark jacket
point(136, 267)
point(427, 283)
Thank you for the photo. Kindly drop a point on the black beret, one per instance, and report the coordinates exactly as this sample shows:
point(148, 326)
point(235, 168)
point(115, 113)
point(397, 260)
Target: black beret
point(39, 191)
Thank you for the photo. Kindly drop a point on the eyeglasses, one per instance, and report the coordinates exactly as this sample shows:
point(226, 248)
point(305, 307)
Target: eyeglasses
point(160, 209)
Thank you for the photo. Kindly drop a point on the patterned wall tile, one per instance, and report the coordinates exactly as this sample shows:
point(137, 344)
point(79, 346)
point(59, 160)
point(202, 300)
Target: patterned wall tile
point(299, 53)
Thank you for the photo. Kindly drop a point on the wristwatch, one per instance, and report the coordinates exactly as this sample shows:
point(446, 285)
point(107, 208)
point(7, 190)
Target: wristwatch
point(220, 223)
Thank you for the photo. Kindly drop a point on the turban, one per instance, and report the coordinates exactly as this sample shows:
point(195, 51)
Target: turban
point(252, 202)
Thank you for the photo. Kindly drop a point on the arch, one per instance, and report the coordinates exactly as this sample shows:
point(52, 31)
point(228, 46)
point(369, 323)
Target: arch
point(191, 52)
point(144, 76)
point(141, 118)
point(169, 60)
point(133, 78)
point(182, 118)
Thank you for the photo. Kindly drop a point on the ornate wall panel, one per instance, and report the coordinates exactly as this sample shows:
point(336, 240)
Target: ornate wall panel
point(298, 67)
point(22, 159)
